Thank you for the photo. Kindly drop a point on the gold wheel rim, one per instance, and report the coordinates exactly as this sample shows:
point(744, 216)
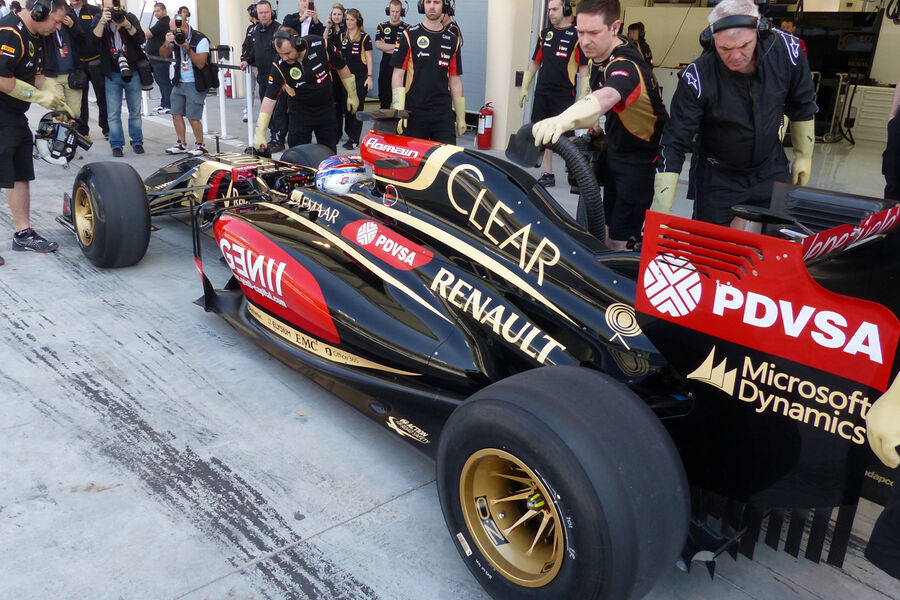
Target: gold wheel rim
point(512, 517)
point(83, 213)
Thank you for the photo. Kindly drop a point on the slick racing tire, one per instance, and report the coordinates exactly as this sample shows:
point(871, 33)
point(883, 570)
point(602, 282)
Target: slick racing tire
point(307, 155)
point(561, 483)
point(111, 214)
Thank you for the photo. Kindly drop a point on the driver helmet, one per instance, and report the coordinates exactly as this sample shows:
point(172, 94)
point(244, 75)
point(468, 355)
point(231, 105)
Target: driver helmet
point(337, 174)
point(56, 138)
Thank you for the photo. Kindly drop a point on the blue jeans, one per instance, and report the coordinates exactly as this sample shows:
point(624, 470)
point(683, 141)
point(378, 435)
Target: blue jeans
point(114, 88)
point(161, 75)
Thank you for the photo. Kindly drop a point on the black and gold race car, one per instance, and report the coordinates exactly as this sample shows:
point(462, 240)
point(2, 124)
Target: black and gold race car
point(595, 416)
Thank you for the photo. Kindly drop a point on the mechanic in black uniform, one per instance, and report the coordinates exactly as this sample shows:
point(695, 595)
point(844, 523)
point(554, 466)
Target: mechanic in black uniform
point(626, 91)
point(89, 56)
point(306, 20)
point(20, 58)
point(356, 48)
point(427, 68)
point(890, 164)
point(385, 39)
point(558, 56)
point(734, 96)
point(248, 42)
point(303, 72)
point(261, 56)
point(637, 35)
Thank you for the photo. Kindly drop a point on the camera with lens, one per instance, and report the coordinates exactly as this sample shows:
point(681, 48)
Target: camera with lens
point(116, 13)
point(180, 35)
point(124, 68)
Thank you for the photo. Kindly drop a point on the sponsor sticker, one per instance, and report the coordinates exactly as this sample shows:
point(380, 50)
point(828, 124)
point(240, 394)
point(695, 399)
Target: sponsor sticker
point(406, 429)
point(388, 245)
point(422, 42)
point(619, 73)
point(295, 73)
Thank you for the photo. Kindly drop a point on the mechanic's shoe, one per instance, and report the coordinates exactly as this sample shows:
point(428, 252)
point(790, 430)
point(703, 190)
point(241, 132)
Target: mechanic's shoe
point(30, 239)
point(177, 148)
point(275, 146)
point(117, 152)
point(138, 149)
point(350, 145)
point(547, 179)
point(198, 149)
point(244, 116)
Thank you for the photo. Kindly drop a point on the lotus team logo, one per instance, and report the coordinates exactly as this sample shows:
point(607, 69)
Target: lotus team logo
point(549, 36)
point(296, 72)
point(387, 30)
point(672, 285)
point(366, 234)
point(422, 42)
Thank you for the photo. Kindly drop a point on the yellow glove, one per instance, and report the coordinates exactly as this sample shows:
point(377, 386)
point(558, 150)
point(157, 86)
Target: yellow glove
point(664, 192)
point(803, 138)
point(259, 136)
point(46, 95)
point(526, 82)
point(883, 425)
point(582, 114)
point(398, 102)
point(459, 105)
point(352, 97)
point(584, 87)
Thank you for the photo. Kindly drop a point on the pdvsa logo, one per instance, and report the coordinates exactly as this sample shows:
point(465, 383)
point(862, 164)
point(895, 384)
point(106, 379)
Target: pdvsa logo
point(672, 285)
point(387, 245)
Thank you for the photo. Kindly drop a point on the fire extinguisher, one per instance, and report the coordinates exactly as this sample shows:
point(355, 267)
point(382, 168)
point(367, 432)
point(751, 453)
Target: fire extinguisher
point(229, 90)
point(485, 126)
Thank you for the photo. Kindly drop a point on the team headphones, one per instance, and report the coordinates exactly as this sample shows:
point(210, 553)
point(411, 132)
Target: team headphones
point(762, 27)
point(403, 7)
point(296, 41)
point(449, 8)
point(567, 8)
point(40, 10)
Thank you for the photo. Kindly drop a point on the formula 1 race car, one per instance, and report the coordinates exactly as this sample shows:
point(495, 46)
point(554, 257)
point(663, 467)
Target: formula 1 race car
point(595, 416)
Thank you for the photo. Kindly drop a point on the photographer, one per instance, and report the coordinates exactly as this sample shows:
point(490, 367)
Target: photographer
point(194, 76)
point(155, 39)
point(306, 20)
point(121, 37)
point(88, 48)
point(62, 66)
point(20, 36)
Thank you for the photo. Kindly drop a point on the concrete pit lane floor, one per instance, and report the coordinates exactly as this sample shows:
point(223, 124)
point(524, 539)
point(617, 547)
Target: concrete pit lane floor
point(149, 451)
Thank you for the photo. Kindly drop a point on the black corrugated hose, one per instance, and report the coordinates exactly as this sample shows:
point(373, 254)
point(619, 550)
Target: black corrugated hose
point(587, 186)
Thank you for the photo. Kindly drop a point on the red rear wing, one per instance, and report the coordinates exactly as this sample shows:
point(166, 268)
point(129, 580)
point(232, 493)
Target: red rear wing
point(755, 291)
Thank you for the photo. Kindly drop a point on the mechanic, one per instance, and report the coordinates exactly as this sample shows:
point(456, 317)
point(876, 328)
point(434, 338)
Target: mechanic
point(20, 38)
point(625, 90)
point(558, 56)
point(637, 35)
point(426, 80)
point(385, 39)
point(302, 71)
point(120, 50)
point(248, 42)
point(335, 29)
point(261, 55)
point(734, 96)
point(155, 39)
point(448, 22)
point(890, 164)
point(89, 56)
point(306, 20)
point(194, 77)
point(883, 433)
point(62, 66)
point(357, 52)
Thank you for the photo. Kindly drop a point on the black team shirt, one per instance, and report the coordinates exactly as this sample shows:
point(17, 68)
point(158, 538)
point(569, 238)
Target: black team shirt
point(354, 53)
point(634, 125)
point(559, 55)
point(20, 57)
point(388, 34)
point(429, 57)
point(309, 79)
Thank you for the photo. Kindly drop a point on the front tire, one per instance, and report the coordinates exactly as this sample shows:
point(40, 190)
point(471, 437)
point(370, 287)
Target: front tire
point(111, 214)
point(561, 483)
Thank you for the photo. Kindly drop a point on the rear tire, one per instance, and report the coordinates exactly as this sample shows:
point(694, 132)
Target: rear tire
point(111, 214)
point(587, 456)
point(307, 155)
